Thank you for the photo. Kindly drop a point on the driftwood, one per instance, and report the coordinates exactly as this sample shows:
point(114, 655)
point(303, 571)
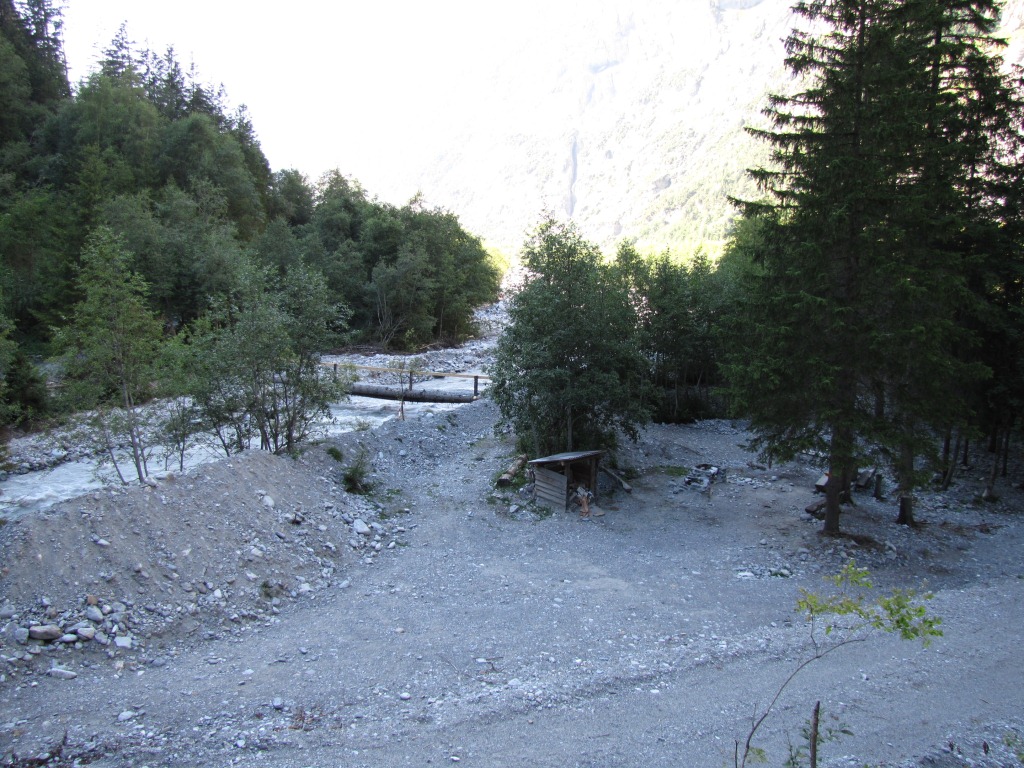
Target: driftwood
point(625, 486)
point(514, 469)
point(383, 392)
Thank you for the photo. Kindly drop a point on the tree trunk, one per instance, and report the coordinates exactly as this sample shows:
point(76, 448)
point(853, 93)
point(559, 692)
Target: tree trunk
point(831, 527)
point(812, 738)
point(134, 434)
point(1006, 445)
point(990, 487)
point(906, 513)
point(906, 489)
point(568, 427)
point(951, 465)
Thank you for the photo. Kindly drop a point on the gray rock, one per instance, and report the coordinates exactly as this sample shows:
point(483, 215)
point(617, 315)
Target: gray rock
point(127, 715)
point(123, 641)
point(21, 635)
point(45, 632)
point(7, 611)
point(360, 527)
point(62, 674)
point(101, 637)
point(268, 501)
point(86, 633)
point(278, 703)
point(93, 613)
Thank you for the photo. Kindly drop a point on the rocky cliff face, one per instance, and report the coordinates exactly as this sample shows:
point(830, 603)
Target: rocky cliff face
point(626, 118)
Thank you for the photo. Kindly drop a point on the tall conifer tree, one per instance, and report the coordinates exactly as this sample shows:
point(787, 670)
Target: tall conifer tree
point(852, 331)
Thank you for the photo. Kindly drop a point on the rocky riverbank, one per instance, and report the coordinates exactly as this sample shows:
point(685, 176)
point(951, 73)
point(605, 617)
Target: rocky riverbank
point(257, 613)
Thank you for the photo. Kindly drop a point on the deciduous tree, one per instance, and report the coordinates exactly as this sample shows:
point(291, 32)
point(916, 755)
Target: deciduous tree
point(568, 371)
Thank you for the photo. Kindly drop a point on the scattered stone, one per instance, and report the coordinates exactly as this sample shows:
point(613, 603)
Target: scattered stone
point(45, 632)
point(7, 611)
point(278, 703)
point(405, 695)
point(21, 635)
point(268, 501)
point(123, 641)
point(62, 674)
point(361, 528)
point(86, 633)
point(94, 614)
point(127, 715)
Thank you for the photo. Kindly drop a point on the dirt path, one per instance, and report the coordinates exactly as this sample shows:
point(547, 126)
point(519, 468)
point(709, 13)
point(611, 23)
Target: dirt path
point(491, 637)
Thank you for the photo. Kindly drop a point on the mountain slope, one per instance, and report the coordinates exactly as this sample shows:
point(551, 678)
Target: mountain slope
point(626, 118)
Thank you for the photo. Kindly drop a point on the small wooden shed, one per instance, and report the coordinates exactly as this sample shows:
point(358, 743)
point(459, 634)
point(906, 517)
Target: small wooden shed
point(555, 476)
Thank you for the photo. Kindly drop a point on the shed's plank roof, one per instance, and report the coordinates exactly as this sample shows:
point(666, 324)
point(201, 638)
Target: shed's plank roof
point(566, 457)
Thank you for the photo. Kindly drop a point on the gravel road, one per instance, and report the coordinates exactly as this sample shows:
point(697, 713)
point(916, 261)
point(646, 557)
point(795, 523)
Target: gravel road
point(257, 614)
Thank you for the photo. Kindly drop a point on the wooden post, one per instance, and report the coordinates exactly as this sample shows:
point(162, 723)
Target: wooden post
point(335, 371)
point(476, 386)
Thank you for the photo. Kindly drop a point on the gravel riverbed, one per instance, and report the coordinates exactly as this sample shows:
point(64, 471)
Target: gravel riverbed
point(254, 613)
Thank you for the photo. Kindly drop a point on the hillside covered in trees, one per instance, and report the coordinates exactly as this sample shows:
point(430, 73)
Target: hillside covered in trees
point(143, 164)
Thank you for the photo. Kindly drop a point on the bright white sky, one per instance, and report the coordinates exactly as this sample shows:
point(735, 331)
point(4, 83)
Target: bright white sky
point(328, 84)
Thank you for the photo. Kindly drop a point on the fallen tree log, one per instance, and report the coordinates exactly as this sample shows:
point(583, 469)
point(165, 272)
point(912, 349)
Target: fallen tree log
point(383, 392)
point(510, 474)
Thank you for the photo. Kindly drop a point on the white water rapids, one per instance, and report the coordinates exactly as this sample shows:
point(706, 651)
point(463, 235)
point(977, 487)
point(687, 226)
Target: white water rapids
point(33, 491)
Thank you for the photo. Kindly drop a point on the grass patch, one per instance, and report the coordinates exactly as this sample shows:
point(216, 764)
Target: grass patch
point(336, 454)
point(356, 474)
point(674, 471)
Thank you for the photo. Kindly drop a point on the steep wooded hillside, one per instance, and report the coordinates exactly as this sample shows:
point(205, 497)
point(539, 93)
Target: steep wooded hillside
point(626, 118)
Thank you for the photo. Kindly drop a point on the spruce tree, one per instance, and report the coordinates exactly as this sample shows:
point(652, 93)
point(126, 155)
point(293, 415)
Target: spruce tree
point(852, 331)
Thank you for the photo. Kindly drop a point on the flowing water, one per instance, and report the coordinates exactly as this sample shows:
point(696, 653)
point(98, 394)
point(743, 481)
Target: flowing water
point(34, 491)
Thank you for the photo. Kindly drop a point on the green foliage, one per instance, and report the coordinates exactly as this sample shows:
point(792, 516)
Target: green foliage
point(849, 338)
point(849, 614)
point(568, 371)
point(356, 473)
point(111, 345)
point(144, 148)
point(678, 305)
point(257, 361)
point(411, 275)
point(335, 453)
point(23, 396)
point(897, 613)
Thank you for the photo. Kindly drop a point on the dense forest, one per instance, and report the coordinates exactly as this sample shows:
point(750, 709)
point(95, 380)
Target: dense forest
point(869, 309)
point(143, 163)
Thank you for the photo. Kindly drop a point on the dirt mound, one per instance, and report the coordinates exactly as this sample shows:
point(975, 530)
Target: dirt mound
point(219, 547)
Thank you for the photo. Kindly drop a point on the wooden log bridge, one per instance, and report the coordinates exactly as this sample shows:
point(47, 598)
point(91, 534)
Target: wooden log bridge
point(384, 392)
point(411, 395)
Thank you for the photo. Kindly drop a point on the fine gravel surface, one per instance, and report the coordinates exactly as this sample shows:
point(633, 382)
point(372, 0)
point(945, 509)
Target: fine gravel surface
point(255, 613)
